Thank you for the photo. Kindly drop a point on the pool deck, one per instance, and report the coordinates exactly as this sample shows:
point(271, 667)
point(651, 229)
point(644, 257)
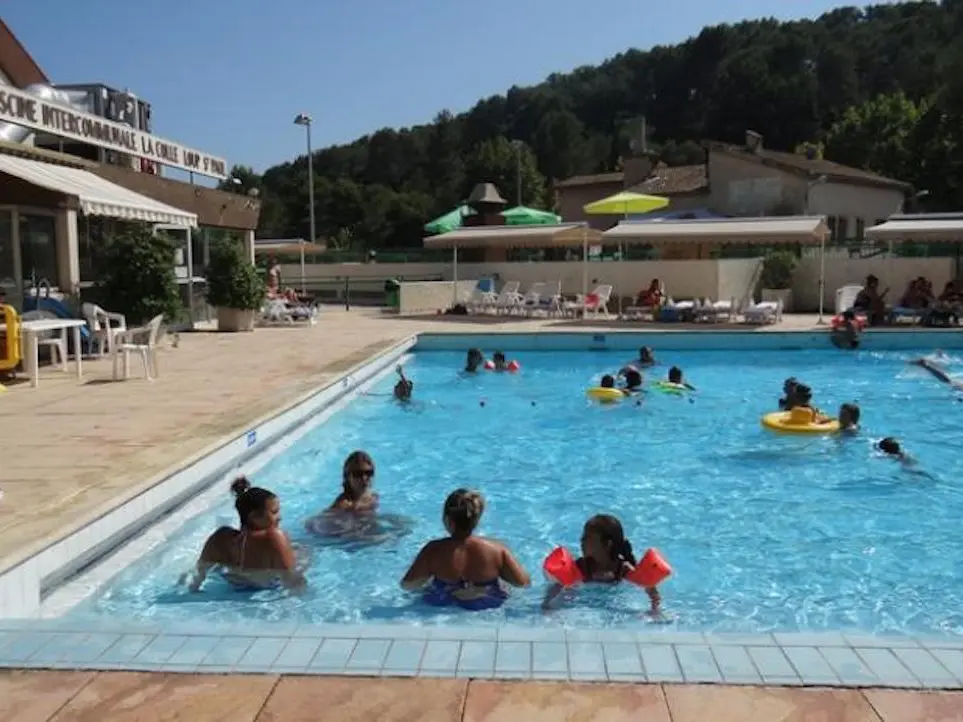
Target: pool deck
point(73, 449)
point(145, 697)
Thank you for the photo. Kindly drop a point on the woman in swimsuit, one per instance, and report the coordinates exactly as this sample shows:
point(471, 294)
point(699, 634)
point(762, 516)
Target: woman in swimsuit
point(462, 569)
point(259, 555)
point(357, 475)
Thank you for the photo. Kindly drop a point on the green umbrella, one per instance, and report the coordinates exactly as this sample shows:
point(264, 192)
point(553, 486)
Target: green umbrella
point(450, 221)
point(523, 216)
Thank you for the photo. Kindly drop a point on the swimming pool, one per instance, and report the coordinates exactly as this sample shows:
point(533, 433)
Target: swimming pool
point(765, 532)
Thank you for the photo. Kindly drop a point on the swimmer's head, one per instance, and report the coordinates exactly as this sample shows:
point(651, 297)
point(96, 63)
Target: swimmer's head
point(257, 508)
point(603, 541)
point(463, 511)
point(849, 315)
point(803, 393)
point(675, 375)
point(633, 379)
point(849, 416)
point(498, 358)
point(790, 384)
point(357, 475)
point(646, 355)
point(608, 382)
point(890, 447)
point(474, 360)
point(403, 389)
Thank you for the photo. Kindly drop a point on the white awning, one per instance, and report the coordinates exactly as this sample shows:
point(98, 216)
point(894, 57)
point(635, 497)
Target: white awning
point(796, 229)
point(552, 236)
point(97, 197)
point(937, 230)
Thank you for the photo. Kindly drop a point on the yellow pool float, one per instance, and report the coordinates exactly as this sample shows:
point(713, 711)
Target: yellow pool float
point(799, 421)
point(604, 395)
point(670, 388)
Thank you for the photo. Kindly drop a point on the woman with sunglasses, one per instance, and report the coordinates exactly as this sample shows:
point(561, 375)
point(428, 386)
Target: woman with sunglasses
point(357, 476)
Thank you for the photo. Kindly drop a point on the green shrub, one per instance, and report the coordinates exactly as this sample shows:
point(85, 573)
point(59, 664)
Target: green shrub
point(777, 270)
point(232, 280)
point(136, 276)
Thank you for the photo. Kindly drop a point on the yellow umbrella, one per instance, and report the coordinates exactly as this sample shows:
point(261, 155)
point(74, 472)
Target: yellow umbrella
point(624, 203)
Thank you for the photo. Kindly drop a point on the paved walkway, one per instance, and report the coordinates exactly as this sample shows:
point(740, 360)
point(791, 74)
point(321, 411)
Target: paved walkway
point(71, 448)
point(143, 697)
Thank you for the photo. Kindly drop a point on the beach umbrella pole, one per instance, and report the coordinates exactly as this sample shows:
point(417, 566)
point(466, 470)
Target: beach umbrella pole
point(454, 276)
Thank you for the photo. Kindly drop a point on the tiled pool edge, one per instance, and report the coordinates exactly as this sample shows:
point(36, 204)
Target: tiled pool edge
point(516, 653)
point(22, 584)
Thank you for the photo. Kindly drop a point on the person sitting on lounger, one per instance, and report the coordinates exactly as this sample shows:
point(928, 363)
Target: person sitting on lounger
point(652, 296)
point(871, 301)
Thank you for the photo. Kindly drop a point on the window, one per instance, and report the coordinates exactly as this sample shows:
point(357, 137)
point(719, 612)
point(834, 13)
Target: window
point(38, 249)
point(842, 228)
point(860, 229)
point(833, 222)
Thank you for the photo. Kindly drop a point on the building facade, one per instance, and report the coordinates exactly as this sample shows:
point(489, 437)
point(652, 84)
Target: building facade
point(69, 154)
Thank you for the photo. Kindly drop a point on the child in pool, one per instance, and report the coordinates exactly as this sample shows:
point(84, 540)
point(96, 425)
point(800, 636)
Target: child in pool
point(849, 419)
point(632, 377)
point(646, 357)
point(404, 387)
point(462, 569)
point(498, 359)
point(675, 377)
point(606, 557)
point(788, 401)
point(608, 382)
point(847, 335)
point(802, 398)
point(357, 476)
point(475, 360)
point(257, 555)
point(891, 447)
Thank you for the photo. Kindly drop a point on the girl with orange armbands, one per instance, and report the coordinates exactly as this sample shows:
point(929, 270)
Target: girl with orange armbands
point(607, 557)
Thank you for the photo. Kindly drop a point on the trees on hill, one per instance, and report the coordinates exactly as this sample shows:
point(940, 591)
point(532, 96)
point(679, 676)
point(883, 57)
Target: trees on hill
point(879, 87)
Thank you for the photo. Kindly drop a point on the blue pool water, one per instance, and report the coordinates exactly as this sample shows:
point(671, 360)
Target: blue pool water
point(765, 532)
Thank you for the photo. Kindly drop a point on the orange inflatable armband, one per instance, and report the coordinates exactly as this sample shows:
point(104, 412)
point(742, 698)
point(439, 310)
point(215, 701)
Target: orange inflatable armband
point(514, 366)
point(651, 570)
point(489, 365)
point(560, 565)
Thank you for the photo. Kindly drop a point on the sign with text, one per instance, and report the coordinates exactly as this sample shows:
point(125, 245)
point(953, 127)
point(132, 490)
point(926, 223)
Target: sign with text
point(26, 110)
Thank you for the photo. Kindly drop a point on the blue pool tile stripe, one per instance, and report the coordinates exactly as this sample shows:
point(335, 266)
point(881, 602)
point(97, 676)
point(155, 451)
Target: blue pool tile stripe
point(477, 656)
point(440, 656)
point(227, 652)
point(586, 661)
point(550, 658)
point(126, 648)
point(773, 665)
point(622, 659)
point(926, 668)
point(513, 658)
point(848, 666)
point(262, 653)
point(193, 651)
point(405, 656)
point(952, 660)
point(368, 654)
point(160, 650)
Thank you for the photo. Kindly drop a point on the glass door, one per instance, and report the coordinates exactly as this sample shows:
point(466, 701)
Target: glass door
point(10, 289)
point(38, 250)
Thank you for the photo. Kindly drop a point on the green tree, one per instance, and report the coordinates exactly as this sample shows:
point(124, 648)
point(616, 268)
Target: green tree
point(879, 135)
point(136, 275)
point(241, 179)
point(504, 163)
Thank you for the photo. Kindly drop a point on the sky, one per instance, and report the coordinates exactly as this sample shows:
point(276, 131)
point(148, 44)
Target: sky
point(227, 77)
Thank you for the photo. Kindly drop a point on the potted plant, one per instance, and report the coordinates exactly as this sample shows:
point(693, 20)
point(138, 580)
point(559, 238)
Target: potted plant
point(234, 286)
point(776, 278)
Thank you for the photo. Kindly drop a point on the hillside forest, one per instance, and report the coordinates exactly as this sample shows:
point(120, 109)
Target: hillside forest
point(879, 88)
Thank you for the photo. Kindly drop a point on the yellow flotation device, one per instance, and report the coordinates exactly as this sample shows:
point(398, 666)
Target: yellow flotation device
point(670, 388)
point(604, 395)
point(10, 351)
point(799, 421)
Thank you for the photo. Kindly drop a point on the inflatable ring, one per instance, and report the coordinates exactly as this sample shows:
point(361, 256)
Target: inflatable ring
point(670, 388)
point(791, 422)
point(604, 395)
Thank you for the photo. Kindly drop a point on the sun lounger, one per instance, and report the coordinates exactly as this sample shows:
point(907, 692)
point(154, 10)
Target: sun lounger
point(716, 311)
point(846, 297)
point(762, 313)
point(597, 302)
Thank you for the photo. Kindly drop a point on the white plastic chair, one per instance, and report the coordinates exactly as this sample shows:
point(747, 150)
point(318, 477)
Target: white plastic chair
point(716, 311)
point(531, 298)
point(104, 327)
point(599, 302)
point(846, 297)
point(53, 340)
point(762, 313)
point(143, 341)
point(507, 298)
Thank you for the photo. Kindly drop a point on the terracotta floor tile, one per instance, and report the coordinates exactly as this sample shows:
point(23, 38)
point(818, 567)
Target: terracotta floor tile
point(690, 703)
point(352, 699)
point(136, 697)
point(36, 696)
point(534, 702)
point(905, 706)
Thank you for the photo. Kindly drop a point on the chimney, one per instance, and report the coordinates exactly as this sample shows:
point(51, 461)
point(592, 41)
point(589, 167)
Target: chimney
point(487, 203)
point(753, 141)
point(636, 169)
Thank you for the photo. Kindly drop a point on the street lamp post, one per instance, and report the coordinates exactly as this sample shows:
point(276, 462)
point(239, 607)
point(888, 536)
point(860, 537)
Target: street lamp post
point(822, 249)
point(305, 120)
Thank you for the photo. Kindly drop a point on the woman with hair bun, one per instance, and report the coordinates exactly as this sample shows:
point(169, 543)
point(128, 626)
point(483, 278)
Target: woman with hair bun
point(462, 569)
point(258, 555)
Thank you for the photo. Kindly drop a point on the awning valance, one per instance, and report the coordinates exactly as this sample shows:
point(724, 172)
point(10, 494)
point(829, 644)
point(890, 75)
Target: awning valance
point(798, 229)
point(96, 196)
point(936, 230)
point(561, 235)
